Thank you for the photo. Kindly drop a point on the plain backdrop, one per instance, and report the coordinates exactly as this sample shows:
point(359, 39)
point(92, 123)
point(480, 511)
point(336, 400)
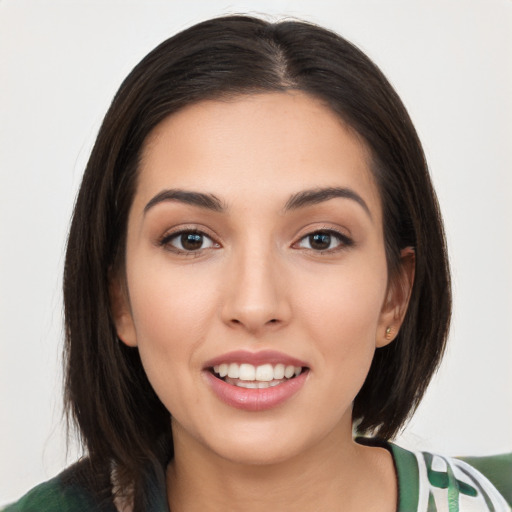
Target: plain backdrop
point(62, 61)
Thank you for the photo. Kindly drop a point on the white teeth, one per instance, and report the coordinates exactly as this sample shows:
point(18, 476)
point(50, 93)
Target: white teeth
point(264, 373)
point(233, 371)
point(262, 385)
point(279, 371)
point(256, 385)
point(223, 369)
point(289, 372)
point(247, 372)
point(248, 385)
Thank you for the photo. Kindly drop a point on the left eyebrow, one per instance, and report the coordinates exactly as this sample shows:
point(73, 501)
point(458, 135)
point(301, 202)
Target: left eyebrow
point(207, 201)
point(319, 195)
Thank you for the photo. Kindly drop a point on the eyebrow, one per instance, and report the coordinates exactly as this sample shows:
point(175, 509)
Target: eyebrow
point(207, 201)
point(319, 195)
point(301, 199)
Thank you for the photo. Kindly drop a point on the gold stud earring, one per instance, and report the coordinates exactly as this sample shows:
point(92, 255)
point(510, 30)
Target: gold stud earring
point(389, 330)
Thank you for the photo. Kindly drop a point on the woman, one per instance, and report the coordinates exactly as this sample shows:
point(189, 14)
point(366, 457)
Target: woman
point(256, 267)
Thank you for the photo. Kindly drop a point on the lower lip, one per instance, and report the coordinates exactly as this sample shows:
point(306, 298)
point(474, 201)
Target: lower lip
point(255, 399)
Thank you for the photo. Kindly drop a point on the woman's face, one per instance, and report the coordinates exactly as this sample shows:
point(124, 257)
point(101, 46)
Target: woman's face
point(255, 247)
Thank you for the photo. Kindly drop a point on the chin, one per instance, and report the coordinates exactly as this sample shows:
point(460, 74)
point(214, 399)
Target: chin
point(271, 443)
point(258, 454)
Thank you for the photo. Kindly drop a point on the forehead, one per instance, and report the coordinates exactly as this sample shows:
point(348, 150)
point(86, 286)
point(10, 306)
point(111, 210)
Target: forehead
point(271, 145)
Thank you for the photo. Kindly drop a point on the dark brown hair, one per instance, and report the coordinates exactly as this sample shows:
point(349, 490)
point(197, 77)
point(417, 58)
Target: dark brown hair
point(123, 424)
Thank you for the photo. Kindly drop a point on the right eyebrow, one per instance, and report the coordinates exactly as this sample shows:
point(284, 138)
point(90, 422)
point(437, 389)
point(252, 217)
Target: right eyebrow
point(207, 201)
point(319, 195)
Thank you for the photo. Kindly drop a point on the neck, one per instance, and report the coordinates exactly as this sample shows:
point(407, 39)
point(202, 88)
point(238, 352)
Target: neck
point(337, 471)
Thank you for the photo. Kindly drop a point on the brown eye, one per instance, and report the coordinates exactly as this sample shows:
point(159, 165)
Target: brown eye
point(188, 241)
point(191, 241)
point(324, 241)
point(320, 241)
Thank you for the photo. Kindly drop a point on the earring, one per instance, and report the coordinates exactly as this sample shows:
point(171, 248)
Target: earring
point(389, 330)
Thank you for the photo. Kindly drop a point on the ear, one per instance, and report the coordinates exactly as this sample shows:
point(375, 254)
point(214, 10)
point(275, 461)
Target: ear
point(121, 311)
point(397, 299)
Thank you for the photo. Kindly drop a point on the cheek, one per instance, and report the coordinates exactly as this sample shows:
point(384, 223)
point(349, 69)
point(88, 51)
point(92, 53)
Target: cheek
point(345, 301)
point(172, 315)
point(341, 312)
point(167, 300)
point(341, 319)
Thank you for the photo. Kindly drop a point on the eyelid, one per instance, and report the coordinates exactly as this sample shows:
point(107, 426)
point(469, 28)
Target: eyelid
point(168, 236)
point(344, 240)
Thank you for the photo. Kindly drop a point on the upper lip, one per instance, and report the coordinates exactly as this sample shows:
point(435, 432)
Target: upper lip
point(255, 358)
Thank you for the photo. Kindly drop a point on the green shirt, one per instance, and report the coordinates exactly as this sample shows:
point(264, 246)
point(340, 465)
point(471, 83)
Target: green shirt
point(433, 483)
point(426, 483)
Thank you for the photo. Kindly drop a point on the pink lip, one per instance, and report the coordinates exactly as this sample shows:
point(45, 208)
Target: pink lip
point(255, 399)
point(255, 358)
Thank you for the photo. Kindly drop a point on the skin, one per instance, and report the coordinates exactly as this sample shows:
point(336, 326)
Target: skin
point(256, 284)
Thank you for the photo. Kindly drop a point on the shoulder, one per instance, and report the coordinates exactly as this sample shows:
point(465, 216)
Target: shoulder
point(498, 469)
point(64, 493)
point(437, 482)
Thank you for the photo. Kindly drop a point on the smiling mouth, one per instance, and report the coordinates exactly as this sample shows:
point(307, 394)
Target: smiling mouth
point(248, 376)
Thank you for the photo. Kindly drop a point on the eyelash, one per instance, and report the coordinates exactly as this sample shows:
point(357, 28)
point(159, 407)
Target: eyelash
point(343, 240)
point(166, 241)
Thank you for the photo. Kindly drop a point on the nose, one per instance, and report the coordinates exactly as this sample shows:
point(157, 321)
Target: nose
point(255, 293)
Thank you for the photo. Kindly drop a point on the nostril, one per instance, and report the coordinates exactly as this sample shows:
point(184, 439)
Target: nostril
point(253, 324)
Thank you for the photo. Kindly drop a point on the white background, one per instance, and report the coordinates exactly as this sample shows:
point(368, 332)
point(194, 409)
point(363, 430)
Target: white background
point(62, 61)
